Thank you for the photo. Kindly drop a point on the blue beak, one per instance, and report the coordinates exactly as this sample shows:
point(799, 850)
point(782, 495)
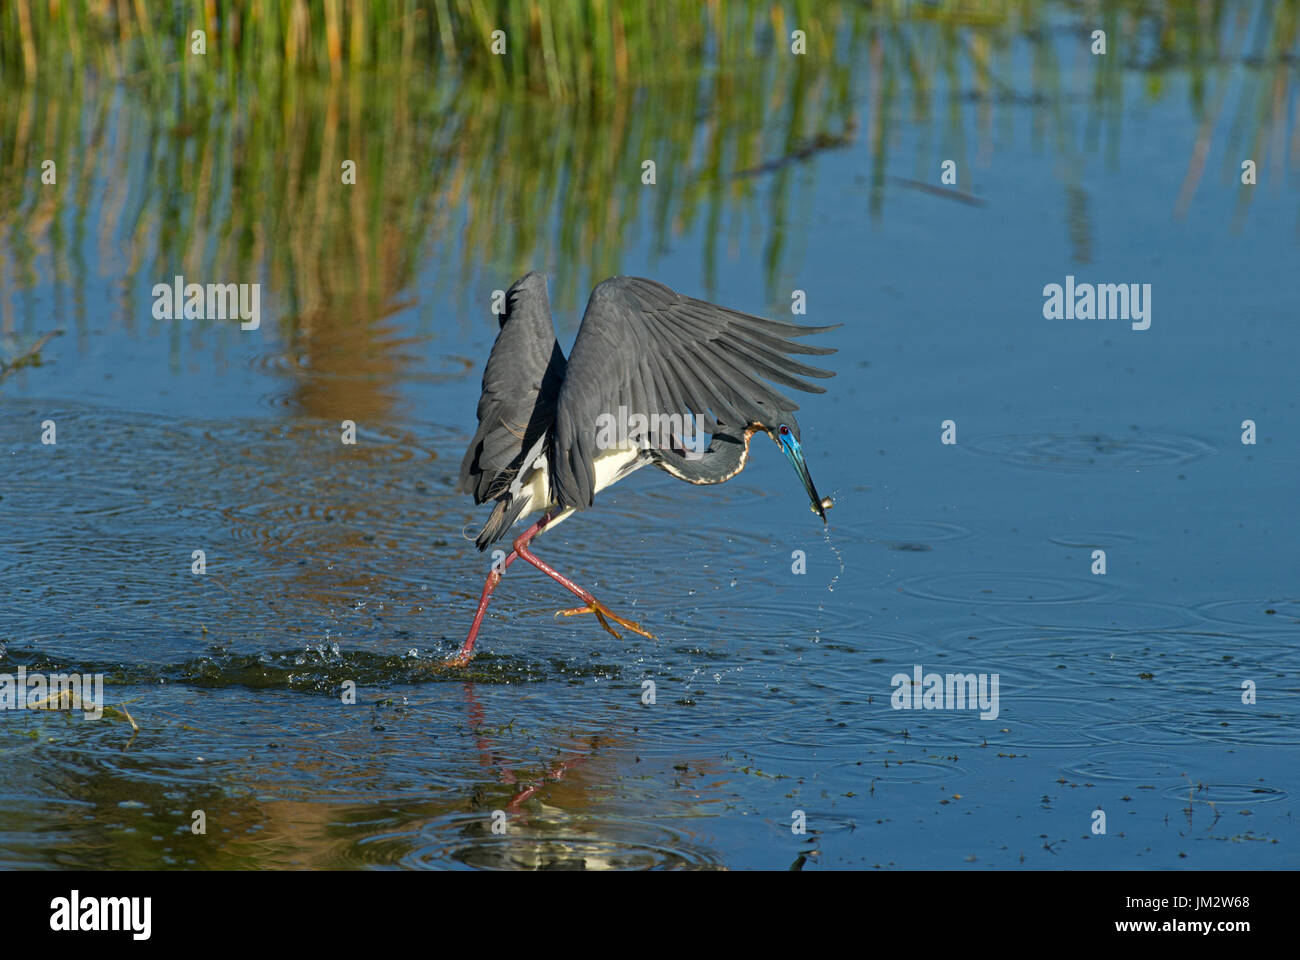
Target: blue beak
point(794, 453)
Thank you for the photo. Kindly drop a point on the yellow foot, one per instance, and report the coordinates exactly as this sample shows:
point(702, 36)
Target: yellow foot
point(604, 615)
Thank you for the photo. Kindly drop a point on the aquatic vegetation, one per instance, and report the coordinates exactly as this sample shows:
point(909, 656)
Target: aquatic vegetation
point(225, 166)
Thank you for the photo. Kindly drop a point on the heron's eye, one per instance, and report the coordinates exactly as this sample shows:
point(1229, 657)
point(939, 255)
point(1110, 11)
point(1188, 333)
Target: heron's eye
point(783, 430)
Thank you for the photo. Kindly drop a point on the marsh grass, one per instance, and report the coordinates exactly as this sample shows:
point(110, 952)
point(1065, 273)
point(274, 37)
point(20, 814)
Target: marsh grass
point(228, 166)
point(190, 177)
point(579, 49)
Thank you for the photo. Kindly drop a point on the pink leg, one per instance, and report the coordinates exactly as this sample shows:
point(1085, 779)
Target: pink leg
point(493, 578)
point(592, 605)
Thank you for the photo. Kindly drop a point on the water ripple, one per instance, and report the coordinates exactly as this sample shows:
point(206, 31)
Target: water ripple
point(1089, 452)
point(994, 587)
point(557, 842)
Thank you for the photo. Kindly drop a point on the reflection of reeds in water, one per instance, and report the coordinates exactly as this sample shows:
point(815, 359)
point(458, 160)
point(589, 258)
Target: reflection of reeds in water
point(1239, 60)
point(242, 185)
point(227, 167)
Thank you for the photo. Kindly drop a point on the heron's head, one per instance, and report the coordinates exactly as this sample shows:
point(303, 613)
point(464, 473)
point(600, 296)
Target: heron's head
point(785, 438)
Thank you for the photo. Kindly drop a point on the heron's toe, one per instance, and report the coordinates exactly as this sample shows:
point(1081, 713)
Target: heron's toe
point(631, 625)
point(604, 615)
point(602, 610)
point(574, 611)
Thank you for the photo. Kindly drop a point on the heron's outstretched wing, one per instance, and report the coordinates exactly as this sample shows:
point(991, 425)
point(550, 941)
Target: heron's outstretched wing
point(521, 384)
point(646, 349)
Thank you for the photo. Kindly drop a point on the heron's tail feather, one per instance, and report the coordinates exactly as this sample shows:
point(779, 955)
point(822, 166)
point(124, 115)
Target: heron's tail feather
point(503, 517)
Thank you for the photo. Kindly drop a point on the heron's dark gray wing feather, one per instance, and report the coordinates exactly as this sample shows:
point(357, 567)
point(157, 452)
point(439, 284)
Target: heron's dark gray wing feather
point(648, 349)
point(521, 384)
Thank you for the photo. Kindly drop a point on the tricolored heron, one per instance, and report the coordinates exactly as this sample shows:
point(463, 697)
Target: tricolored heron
point(554, 432)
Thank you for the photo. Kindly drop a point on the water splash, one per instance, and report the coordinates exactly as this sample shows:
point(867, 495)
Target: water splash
point(826, 537)
point(830, 586)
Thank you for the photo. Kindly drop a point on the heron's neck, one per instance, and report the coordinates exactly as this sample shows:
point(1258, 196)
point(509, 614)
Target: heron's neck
point(724, 457)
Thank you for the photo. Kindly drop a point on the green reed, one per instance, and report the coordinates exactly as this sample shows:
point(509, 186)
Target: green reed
point(577, 48)
point(240, 176)
point(227, 165)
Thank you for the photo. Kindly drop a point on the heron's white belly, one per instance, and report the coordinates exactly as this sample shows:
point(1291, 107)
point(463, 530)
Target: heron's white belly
point(609, 466)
